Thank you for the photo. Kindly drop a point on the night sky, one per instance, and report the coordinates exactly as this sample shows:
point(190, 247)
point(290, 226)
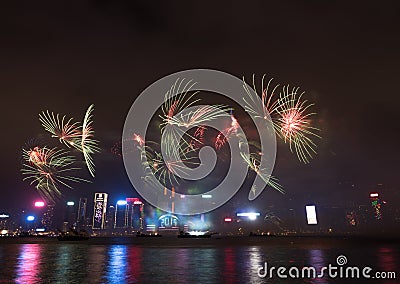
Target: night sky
point(345, 56)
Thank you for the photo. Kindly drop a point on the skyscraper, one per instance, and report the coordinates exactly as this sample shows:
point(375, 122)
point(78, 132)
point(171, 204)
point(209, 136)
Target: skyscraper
point(81, 220)
point(47, 219)
point(69, 216)
point(99, 210)
point(120, 214)
point(135, 214)
point(110, 217)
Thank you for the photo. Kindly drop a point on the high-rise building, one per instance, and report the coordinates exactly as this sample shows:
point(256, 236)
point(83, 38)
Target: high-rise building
point(69, 216)
point(47, 219)
point(81, 219)
point(134, 214)
point(100, 209)
point(110, 219)
point(120, 214)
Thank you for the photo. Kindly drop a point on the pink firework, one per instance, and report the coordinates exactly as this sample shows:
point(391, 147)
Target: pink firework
point(64, 129)
point(294, 123)
point(198, 137)
point(116, 149)
point(139, 139)
point(172, 111)
point(224, 135)
point(37, 156)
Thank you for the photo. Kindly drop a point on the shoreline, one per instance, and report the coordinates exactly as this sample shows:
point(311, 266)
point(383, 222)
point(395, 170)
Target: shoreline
point(173, 241)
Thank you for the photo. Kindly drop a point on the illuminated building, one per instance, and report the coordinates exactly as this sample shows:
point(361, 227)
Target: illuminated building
point(81, 219)
point(99, 210)
point(120, 213)
point(129, 214)
point(134, 214)
point(249, 215)
point(69, 216)
point(110, 217)
point(39, 204)
point(47, 219)
point(376, 205)
point(5, 224)
point(311, 215)
point(168, 223)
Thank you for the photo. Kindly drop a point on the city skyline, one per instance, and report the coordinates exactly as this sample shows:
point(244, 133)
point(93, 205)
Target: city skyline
point(119, 218)
point(199, 141)
point(356, 104)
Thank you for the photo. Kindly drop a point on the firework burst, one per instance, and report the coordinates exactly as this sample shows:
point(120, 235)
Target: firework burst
point(66, 130)
point(178, 100)
point(268, 108)
point(166, 171)
point(295, 123)
point(73, 134)
point(47, 169)
point(289, 115)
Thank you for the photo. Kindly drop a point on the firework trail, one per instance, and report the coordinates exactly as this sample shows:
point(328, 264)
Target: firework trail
point(198, 137)
point(178, 98)
point(67, 131)
point(270, 102)
point(253, 161)
point(47, 168)
point(88, 146)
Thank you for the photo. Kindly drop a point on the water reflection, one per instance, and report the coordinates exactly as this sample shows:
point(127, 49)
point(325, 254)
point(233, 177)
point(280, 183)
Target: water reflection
point(97, 263)
point(63, 262)
point(135, 259)
point(110, 263)
point(317, 260)
point(28, 267)
point(255, 259)
point(117, 264)
point(182, 264)
point(386, 260)
point(228, 273)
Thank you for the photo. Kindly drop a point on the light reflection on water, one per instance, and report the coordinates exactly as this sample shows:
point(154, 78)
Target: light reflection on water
point(117, 263)
point(28, 263)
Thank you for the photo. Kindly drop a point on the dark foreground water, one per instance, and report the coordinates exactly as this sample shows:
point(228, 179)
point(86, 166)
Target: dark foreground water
point(169, 260)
